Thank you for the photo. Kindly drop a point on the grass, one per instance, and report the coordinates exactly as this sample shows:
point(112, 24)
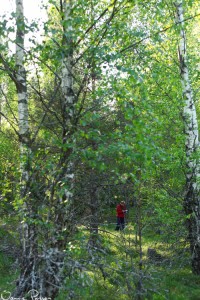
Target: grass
point(112, 269)
point(8, 270)
point(182, 285)
point(169, 279)
point(7, 274)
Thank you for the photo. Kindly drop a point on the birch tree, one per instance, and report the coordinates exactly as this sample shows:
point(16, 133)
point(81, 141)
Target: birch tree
point(62, 216)
point(69, 98)
point(192, 197)
point(27, 232)
point(41, 270)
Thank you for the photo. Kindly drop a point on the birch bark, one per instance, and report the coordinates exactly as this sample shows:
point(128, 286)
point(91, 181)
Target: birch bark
point(27, 230)
point(42, 270)
point(67, 69)
point(62, 215)
point(22, 96)
point(192, 197)
point(68, 107)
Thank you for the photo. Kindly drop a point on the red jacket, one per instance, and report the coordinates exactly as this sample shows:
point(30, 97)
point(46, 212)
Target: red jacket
point(120, 210)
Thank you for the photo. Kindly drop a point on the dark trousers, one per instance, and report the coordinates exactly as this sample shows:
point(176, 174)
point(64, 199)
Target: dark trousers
point(120, 223)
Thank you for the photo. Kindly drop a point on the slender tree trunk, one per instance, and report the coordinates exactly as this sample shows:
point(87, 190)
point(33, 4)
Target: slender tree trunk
point(69, 98)
point(27, 230)
point(139, 285)
point(94, 219)
point(21, 85)
point(42, 267)
point(94, 205)
point(65, 204)
point(62, 216)
point(24, 134)
point(192, 197)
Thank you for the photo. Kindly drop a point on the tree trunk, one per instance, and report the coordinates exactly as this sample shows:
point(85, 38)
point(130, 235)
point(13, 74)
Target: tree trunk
point(62, 193)
point(42, 271)
point(94, 219)
point(192, 198)
point(64, 214)
point(28, 232)
point(69, 98)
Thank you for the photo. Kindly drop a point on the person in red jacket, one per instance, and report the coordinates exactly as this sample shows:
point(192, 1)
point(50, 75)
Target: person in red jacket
point(121, 211)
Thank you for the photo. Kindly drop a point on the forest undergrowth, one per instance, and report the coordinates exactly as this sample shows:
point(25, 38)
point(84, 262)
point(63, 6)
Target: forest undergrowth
point(112, 265)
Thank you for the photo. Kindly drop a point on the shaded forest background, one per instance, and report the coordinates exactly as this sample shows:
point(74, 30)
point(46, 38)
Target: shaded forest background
point(103, 121)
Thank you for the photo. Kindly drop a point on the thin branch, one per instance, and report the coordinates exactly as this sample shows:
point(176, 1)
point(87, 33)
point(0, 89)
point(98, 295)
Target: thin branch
point(8, 104)
point(40, 60)
point(159, 31)
point(3, 115)
point(10, 71)
point(105, 28)
point(91, 26)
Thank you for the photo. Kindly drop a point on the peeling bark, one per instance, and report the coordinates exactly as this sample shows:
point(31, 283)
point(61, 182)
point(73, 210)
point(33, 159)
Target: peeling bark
point(192, 197)
point(68, 113)
point(40, 267)
point(28, 233)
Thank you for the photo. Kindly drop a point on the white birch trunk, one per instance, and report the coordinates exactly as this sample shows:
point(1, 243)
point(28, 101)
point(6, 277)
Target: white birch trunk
point(43, 271)
point(55, 255)
point(28, 237)
point(67, 69)
point(22, 113)
point(22, 94)
point(192, 199)
point(68, 93)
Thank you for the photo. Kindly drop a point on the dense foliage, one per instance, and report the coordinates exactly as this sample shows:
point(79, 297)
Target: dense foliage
point(106, 123)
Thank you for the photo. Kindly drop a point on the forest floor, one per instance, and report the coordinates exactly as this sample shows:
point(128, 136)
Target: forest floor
point(115, 267)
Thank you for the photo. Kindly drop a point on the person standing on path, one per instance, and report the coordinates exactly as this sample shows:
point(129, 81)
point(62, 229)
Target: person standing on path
point(121, 211)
